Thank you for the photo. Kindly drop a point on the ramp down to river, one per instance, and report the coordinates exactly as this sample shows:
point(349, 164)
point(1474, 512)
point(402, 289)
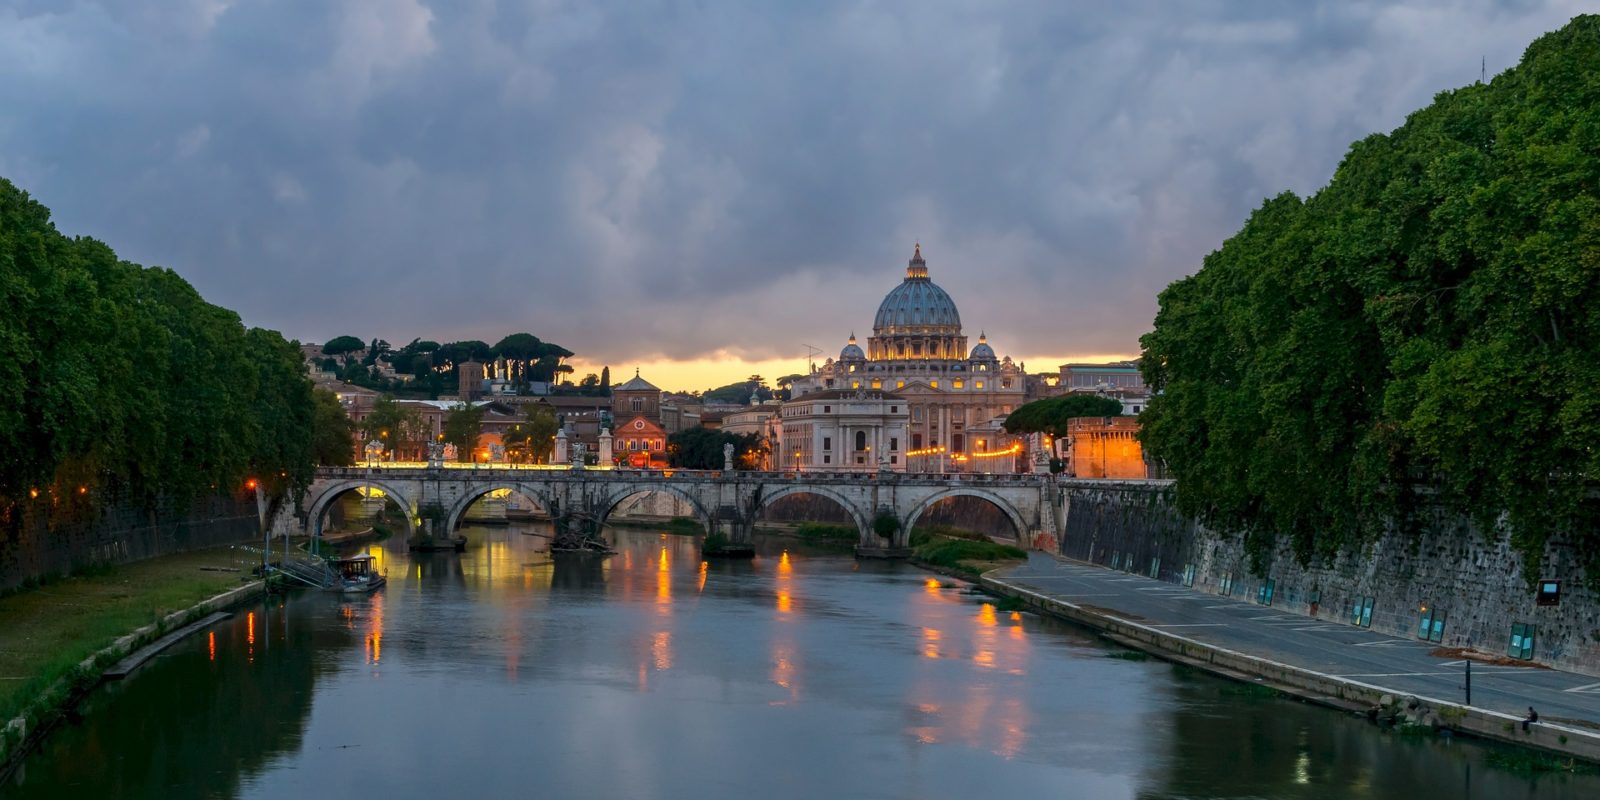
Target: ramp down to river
point(1336, 665)
point(137, 658)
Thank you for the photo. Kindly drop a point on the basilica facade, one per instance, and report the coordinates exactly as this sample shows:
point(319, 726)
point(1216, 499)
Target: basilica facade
point(954, 397)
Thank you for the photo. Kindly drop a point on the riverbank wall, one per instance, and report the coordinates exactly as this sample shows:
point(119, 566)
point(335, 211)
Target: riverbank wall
point(1467, 585)
point(52, 537)
point(1342, 693)
point(21, 734)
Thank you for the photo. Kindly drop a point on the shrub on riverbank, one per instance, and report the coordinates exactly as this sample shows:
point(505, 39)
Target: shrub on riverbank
point(682, 526)
point(826, 532)
point(967, 556)
point(922, 535)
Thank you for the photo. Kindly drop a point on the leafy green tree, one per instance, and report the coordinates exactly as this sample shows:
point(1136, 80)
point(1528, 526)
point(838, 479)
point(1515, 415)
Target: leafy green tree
point(701, 448)
point(462, 427)
point(532, 439)
point(1428, 319)
point(339, 345)
point(400, 428)
point(1050, 415)
point(331, 431)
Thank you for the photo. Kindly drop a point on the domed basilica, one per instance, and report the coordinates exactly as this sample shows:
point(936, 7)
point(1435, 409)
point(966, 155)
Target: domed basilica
point(918, 352)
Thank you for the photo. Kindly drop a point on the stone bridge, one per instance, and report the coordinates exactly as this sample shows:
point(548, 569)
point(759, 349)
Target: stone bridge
point(726, 502)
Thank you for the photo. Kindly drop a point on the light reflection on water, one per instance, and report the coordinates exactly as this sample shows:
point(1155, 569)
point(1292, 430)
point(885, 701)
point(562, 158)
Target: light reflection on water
point(505, 672)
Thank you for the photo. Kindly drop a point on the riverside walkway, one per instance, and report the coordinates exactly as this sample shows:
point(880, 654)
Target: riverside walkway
point(1193, 625)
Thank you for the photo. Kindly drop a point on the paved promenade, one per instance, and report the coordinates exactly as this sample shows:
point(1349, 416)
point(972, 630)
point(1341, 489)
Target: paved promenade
point(1342, 651)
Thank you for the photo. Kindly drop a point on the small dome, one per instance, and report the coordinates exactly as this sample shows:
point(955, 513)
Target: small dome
point(983, 352)
point(851, 351)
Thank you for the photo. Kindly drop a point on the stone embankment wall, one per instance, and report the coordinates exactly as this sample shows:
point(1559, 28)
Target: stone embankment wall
point(51, 539)
point(1475, 581)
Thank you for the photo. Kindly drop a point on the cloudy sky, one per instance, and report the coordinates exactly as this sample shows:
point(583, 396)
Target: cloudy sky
point(702, 188)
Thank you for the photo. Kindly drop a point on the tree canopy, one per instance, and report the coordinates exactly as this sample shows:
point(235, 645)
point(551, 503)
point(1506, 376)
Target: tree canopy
point(701, 448)
point(1428, 319)
point(122, 378)
point(1050, 415)
point(339, 345)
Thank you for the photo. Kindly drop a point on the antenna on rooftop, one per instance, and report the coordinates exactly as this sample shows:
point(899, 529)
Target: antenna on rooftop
point(1483, 69)
point(811, 357)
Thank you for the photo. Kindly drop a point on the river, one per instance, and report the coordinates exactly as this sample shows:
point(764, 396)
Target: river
point(801, 674)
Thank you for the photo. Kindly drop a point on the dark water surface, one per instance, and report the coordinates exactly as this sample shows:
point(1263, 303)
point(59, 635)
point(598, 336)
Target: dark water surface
point(502, 673)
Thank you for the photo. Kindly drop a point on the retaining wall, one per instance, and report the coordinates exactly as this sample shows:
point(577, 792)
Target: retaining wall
point(50, 537)
point(1475, 581)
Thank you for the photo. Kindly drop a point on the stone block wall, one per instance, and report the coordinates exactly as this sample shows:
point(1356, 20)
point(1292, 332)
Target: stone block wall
point(1475, 580)
point(52, 539)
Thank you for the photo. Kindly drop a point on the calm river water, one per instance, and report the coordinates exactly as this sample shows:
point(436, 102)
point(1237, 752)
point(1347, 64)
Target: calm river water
point(502, 673)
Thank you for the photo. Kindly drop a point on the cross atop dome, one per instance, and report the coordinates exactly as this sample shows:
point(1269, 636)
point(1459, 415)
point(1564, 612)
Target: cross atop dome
point(918, 268)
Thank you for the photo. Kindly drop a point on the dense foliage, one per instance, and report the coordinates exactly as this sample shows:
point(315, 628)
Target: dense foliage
point(532, 440)
point(1428, 322)
point(462, 426)
point(121, 380)
point(701, 448)
point(430, 367)
point(1050, 415)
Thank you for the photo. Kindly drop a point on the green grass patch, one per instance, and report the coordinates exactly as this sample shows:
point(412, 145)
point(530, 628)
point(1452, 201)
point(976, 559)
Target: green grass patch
point(1010, 604)
point(1129, 655)
point(49, 629)
point(966, 556)
point(927, 534)
point(826, 532)
point(1528, 762)
point(680, 526)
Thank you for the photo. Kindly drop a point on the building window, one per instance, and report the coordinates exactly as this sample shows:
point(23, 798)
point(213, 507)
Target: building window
point(916, 413)
point(636, 403)
point(861, 440)
point(894, 409)
point(827, 409)
point(934, 383)
point(894, 443)
point(827, 442)
point(899, 384)
point(958, 442)
point(827, 459)
point(855, 384)
point(979, 384)
point(960, 384)
point(894, 459)
point(877, 383)
point(916, 441)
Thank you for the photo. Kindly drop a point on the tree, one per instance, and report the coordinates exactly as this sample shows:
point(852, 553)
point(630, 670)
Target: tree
point(605, 379)
point(339, 345)
point(123, 382)
point(1050, 415)
point(701, 448)
point(398, 427)
point(331, 431)
point(531, 440)
point(1428, 320)
point(462, 426)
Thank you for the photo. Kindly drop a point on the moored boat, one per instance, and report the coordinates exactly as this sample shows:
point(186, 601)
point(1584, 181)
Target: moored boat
point(357, 575)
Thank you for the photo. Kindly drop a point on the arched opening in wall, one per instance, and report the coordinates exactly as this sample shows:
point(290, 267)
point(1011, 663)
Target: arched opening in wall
point(361, 512)
point(489, 506)
point(966, 516)
point(656, 510)
point(811, 516)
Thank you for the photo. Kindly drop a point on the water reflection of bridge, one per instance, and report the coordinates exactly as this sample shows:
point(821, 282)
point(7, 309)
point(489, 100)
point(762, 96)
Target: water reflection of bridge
point(724, 502)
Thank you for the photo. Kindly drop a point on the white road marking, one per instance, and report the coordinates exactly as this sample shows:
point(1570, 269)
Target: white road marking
point(1190, 625)
point(1593, 688)
point(1386, 643)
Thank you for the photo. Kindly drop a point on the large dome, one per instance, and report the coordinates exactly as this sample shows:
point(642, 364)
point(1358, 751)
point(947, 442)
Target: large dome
point(917, 303)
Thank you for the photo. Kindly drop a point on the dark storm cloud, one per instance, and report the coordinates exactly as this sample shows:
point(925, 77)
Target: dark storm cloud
point(638, 178)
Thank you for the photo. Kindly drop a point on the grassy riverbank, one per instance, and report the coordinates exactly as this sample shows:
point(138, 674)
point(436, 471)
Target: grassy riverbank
point(963, 552)
point(47, 630)
point(680, 526)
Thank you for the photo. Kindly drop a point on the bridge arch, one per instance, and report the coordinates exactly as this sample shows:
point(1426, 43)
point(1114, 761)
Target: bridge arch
point(863, 524)
point(327, 494)
point(616, 496)
point(476, 491)
point(903, 538)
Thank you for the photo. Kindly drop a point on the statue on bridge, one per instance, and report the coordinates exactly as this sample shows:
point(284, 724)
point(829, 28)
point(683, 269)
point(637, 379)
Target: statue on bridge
point(727, 457)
